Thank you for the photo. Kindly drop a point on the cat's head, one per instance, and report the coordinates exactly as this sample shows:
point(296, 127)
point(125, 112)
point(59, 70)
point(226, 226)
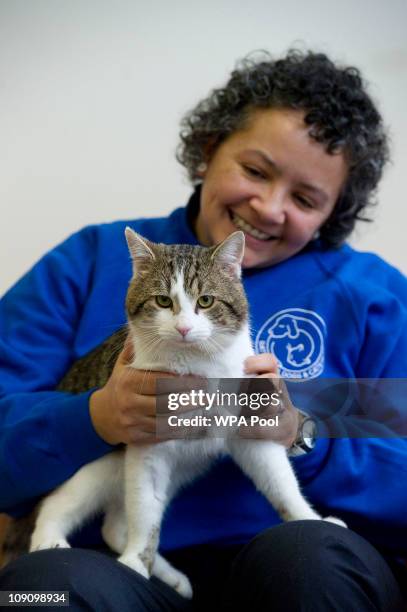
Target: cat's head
point(186, 296)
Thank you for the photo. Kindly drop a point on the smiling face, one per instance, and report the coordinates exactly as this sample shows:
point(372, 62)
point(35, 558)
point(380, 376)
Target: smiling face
point(274, 182)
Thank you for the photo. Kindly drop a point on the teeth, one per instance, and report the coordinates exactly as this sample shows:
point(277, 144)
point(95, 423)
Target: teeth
point(246, 227)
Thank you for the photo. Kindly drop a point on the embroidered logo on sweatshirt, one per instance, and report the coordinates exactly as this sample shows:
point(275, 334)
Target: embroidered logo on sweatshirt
point(296, 337)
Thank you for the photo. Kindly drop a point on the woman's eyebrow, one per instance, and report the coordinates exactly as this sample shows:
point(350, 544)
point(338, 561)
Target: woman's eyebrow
point(319, 192)
point(264, 156)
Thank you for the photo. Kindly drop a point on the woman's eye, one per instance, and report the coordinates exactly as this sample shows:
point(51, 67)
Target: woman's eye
point(205, 301)
point(163, 301)
point(253, 171)
point(304, 201)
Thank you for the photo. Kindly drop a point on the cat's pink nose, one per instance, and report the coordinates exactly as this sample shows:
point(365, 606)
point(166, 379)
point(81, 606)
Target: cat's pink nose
point(182, 330)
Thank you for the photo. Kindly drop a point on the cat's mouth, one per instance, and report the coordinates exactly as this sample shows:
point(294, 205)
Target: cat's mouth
point(193, 342)
point(184, 341)
point(187, 340)
point(246, 227)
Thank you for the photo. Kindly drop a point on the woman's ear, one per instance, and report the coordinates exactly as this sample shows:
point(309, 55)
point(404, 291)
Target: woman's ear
point(208, 151)
point(201, 169)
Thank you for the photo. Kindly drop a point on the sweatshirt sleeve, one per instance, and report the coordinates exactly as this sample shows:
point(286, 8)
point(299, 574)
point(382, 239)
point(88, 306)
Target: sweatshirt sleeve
point(362, 477)
point(45, 435)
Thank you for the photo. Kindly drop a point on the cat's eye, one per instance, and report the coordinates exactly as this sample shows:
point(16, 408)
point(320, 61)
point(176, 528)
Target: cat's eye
point(163, 301)
point(205, 301)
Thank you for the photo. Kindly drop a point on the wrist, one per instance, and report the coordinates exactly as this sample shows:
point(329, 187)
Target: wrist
point(97, 411)
point(306, 435)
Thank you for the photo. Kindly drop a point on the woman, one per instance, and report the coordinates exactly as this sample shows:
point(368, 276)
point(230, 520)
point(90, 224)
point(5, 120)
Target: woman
point(291, 152)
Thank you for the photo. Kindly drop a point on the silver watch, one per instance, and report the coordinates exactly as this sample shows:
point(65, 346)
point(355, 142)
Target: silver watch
point(306, 436)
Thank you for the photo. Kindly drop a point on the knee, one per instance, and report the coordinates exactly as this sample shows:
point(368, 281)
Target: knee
point(92, 580)
point(296, 553)
point(313, 565)
point(301, 549)
point(60, 569)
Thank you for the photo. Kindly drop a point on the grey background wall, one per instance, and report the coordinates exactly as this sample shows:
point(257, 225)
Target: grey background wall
point(92, 91)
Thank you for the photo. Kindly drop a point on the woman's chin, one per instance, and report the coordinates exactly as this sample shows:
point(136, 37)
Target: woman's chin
point(252, 260)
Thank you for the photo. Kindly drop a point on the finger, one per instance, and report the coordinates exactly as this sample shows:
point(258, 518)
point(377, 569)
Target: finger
point(136, 436)
point(143, 382)
point(276, 381)
point(140, 406)
point(181, 395)
point(181, 384)
point(264, 383)
point(266, 362)
point(146, 424)
point(166, 408)
point(150, 406)
point(272, 375)
point(127, 353)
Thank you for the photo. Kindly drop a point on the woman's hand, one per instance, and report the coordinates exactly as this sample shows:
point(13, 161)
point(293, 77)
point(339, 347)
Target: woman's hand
point(265, 366)
point(124, 410)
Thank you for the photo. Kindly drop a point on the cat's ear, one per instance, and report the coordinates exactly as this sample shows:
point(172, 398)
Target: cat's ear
point(140, 249)
point(230, 252)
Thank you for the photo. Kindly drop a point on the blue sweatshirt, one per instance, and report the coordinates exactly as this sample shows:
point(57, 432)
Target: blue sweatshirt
point(346, 316)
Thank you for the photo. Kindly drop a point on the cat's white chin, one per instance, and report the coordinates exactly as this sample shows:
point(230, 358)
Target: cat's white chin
point(185, 341)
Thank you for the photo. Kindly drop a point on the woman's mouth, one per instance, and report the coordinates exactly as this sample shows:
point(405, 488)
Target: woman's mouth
point(249, 229)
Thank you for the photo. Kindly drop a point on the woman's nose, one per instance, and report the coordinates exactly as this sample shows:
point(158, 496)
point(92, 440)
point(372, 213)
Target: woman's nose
point(270, 206)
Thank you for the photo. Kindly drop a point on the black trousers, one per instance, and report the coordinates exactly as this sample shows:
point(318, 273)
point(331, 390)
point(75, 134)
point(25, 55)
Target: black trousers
point(308, 566)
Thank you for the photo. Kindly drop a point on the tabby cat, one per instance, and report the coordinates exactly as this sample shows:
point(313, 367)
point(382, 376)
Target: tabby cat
point(187, 313)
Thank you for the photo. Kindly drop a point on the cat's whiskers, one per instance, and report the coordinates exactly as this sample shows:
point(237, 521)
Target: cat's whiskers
point(215, 342)
point(211, 342)
point(153, 358)
point(206, 346)
point(149, 344)
point(146, 341)
point(117, 347)
point(149, 370)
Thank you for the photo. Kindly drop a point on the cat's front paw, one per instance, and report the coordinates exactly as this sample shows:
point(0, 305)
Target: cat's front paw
point(336, 521)
point(42, 542)
point(133, 561)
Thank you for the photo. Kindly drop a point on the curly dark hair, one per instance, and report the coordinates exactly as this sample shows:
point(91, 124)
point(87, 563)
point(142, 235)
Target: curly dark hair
point(337, 107)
